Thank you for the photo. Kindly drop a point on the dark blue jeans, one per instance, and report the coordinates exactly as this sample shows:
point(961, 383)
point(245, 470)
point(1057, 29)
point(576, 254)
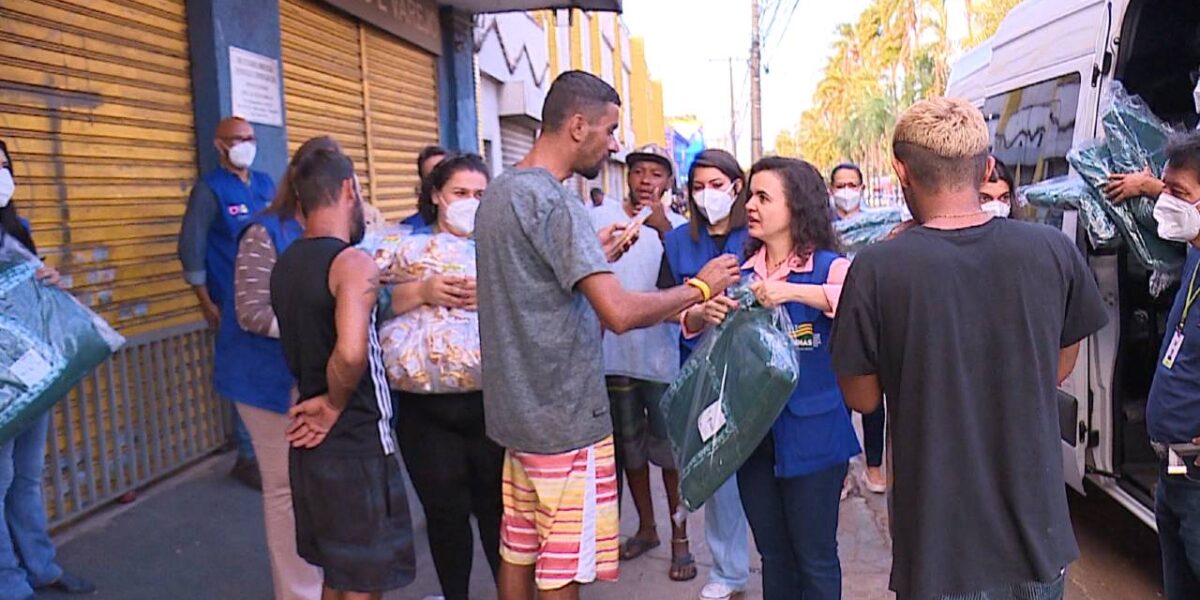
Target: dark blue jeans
point(27, 557)
point(794, 521)
point(1177, 510)
point(1030, 590)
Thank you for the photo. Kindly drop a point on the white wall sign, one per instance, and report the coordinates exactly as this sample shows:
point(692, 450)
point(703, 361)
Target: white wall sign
point(254, 87)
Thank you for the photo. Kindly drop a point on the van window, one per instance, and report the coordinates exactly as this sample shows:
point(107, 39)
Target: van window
point(1033, 127)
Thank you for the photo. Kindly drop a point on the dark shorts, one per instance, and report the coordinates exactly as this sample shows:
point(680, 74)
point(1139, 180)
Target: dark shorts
point(352, 520)
point(638, 424)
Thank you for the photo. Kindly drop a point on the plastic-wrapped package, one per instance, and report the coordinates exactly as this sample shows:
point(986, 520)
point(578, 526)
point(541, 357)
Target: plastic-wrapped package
point(48, 340)
point(1138, 229)
point(728, 394)
point(1136, 137)
point(432, 349)
point(381, 243)
point(867, 227)
point(1069, 192)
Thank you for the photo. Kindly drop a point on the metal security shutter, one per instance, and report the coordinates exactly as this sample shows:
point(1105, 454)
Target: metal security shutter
point(516, 141)
point(96, 106)
point(403, 118)
point(374, 93)
point(323, 79)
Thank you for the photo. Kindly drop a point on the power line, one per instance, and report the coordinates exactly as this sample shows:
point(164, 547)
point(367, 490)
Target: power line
point(779, 41)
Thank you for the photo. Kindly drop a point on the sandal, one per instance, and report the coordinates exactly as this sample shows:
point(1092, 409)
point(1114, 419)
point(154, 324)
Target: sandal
point(636, 546)
point(683, 566)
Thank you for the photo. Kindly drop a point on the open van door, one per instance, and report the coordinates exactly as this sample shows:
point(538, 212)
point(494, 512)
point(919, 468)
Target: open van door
point(1077, 406)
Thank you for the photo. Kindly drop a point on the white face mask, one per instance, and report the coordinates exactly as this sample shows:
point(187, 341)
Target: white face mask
point(241, 154)
point(1196, 96)
point(460, 216)
point(1178, 220)
point(7, 187)
point(997, 209)
point(714, 204)
point(847, 199)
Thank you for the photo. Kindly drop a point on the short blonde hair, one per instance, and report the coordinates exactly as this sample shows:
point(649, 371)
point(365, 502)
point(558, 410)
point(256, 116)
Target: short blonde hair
point(947, 127)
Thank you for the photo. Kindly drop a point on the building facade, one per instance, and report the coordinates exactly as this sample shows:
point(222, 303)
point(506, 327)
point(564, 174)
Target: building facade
point(599, 43)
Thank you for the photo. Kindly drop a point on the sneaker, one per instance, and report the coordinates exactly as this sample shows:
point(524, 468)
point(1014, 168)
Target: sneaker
point(874, 480)
point(717, 591)
point(246, 471)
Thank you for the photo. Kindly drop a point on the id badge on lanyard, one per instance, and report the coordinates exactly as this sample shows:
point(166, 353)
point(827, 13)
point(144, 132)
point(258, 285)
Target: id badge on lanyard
point(1176, 343)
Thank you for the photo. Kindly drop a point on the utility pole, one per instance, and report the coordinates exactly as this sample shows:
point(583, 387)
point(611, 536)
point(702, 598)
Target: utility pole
point(756, 144)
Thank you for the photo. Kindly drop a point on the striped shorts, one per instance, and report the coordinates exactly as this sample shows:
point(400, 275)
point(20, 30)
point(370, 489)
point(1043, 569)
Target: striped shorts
point(560, 515)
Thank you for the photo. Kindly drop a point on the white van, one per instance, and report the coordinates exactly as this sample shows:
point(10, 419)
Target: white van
point(1040, 81)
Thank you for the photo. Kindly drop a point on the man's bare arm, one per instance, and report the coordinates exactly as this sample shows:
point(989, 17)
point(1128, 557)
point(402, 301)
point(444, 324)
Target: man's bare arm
point(621, 310)
point(1066, 361)
point(354, 281)
point(862, 392)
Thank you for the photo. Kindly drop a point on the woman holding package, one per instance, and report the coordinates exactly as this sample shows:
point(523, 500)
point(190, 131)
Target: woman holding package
point(791, 485)
point(717, 226)
point(27, 556)
point(431, 349)
point(263, 368)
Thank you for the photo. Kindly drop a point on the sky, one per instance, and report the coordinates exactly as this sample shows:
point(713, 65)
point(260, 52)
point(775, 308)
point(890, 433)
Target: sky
point(688, 43)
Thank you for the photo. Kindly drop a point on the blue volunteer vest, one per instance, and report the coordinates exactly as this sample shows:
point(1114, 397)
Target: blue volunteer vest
point(250, 368)
point(687, 256)
point(237, 203)
point(814, 431)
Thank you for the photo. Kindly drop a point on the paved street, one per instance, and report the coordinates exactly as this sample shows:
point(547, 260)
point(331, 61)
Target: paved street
point(199, 536)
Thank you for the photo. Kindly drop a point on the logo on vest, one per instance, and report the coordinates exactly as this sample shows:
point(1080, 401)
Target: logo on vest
point(238, 210)
point(805, 338)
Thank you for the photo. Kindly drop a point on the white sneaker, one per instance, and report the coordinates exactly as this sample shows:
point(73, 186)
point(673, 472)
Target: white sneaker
point(717, 591)
point(877, 488)
point(435, 598)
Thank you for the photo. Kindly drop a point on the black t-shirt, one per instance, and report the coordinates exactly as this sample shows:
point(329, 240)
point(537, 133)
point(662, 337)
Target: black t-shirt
point(963, 329)
point(308, 333)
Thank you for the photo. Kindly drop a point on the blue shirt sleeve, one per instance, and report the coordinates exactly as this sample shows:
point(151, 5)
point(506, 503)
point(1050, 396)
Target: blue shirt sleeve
point(193, 235)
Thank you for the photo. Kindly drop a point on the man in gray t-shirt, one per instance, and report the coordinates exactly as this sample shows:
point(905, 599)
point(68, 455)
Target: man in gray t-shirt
point(545, 292)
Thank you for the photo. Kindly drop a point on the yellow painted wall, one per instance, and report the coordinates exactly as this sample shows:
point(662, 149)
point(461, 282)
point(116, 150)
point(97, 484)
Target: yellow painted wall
point(597, 44)
point(576, 39)
point(646, 101)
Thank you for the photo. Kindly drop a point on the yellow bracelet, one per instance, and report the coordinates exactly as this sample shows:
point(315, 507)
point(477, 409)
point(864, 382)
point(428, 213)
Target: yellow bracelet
point(703, 287)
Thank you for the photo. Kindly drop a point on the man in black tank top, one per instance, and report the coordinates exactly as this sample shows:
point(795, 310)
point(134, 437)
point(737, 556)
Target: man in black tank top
point(351, 510)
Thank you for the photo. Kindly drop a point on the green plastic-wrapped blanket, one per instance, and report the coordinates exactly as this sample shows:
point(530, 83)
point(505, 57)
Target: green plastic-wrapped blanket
point(727, 396)
point(48, 340)
point(1069, 192)
point(1134, 139)
point(867, 227)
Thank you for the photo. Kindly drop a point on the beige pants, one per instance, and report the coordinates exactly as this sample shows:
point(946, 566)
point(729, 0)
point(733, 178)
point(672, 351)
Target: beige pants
point(294, 578)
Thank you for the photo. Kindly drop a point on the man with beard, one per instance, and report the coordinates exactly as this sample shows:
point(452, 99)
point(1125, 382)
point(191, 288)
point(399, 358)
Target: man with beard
point(545, 290)
point(351, 510)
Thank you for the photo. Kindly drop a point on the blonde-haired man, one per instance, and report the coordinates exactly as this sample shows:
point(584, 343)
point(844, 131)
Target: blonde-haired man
point(978, 503)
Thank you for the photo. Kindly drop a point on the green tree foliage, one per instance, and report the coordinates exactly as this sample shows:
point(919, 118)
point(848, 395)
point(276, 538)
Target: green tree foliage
point(898, 51)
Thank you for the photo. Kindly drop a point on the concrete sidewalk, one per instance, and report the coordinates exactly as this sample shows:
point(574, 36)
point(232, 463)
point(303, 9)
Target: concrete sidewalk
point(200, 536)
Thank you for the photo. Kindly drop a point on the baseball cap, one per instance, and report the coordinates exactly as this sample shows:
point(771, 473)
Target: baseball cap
point(652, 152)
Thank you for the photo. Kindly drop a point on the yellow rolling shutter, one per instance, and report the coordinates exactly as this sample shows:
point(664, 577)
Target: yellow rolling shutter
point(373, 92)
point(322, 79)
point(403, 118)
point(96, 107)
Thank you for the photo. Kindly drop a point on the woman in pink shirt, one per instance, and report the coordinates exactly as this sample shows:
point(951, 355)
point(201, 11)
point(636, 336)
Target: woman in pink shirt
point(791, 485)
